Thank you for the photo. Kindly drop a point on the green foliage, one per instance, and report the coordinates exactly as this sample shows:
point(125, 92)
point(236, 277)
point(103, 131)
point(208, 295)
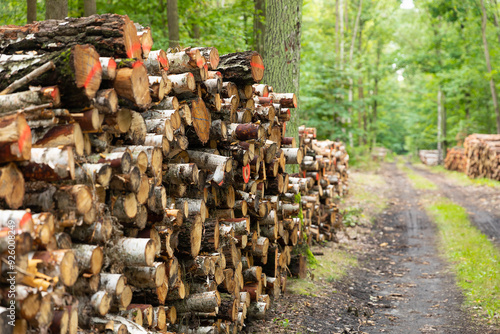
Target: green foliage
point(351, 216)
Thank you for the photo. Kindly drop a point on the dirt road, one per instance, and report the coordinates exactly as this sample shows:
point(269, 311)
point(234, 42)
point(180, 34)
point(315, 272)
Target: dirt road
point(401, 285)
point(482, 203)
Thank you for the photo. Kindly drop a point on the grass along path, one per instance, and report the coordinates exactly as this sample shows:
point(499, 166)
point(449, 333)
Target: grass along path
point(473, 258)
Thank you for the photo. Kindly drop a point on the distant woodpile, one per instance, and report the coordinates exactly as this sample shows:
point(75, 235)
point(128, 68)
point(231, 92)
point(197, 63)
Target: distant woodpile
point(483, 156)
point(147, 191)
point(456, 160)
point(429, 157)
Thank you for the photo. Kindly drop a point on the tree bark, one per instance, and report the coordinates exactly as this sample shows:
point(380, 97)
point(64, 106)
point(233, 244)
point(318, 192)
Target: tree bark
point(89, 7)
point(31, 12)
point(484, 20)
point(282, 50)
point(259, 25)
point(56, 9)
point(173, 23)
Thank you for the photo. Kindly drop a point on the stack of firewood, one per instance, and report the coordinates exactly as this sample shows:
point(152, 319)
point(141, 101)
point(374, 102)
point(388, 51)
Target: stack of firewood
point(147, 190)
point(456, 159)
point(323, 177)
point(483, 156)
point(429, 157)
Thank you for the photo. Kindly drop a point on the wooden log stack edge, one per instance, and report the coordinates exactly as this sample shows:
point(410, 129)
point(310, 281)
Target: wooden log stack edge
point(482, 152)
point(148, 191)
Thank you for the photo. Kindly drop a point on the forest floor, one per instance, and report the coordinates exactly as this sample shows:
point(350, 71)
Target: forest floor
point(387, 273)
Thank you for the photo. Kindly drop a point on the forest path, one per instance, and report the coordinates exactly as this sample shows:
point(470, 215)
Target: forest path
point(481, 202)
point(401, 283)
point(415, 292)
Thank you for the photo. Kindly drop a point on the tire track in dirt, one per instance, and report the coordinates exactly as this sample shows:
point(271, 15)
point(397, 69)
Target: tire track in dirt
point(486, 221)
point(412, 290)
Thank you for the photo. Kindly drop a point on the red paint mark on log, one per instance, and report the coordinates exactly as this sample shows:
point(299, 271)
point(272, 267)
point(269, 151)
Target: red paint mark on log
point(137, 64)
point(135, 47)
point(112, 64)
point(246, 173)
point(256, 65)
point(26, 218)
point(93, 71)
point(25, 135)
point(200, 62)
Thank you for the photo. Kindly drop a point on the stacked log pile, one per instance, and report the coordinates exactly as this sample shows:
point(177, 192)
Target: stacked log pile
point(325, 170)
point(428, 157)
point(146, 191)
point(483, 156)
point(455, 159)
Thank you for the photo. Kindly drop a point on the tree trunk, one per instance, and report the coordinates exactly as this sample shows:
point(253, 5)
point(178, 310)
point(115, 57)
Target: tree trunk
point(56, 9)
point(282, 50)
point(89, 7)
point(259, 25)
point(173, 23)
point(484, 20)
point(31, 12)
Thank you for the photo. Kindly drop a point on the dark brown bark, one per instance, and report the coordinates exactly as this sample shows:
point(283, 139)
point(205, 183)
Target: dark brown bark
point(52, 35)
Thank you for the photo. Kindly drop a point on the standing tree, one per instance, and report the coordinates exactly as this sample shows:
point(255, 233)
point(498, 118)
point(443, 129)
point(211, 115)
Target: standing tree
point(56, 9)
point(282, 49)
point(31, 12)
point(89, 7)
point(173, 23)
point(484, 20)
point(259, 25)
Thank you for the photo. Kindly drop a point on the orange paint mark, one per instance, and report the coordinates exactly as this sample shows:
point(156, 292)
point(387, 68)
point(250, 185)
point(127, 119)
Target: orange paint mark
point(93, 71)
point(25, 135)
point(304, 174)
point(200, 62)
point(284, 127)
point(256, 65)
point(246, 173)
point(163, 62)
point(54, 92)
point(137, 64)
point(26, 218)
point(112, 64)
point(146, 48)
point(135, 47)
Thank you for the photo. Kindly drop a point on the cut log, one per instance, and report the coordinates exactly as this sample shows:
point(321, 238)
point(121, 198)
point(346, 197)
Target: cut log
point(58, 34)
point(15, 138)
point(59, 263)
point(199, 302)
point(59, 135)
point(90, 258)
point(190, 236)
point(108, 65)
point(77, 73)
point(133, 85)
point(133, 252)
point(211, 56)
point(156, 62)
point(185, 61)
point(11, 186)
point(182, 83)
point(77, 197)
point(242, 67)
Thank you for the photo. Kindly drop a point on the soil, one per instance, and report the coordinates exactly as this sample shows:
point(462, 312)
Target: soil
point(401, 284)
